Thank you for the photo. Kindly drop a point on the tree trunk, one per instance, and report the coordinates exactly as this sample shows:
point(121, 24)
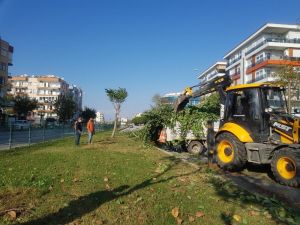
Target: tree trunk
point(117, 107)
point(289, 98)
point(115, 126)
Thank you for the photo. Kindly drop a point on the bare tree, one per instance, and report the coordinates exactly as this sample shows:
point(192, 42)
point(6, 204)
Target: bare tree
point(289, 77)
point(156, 99)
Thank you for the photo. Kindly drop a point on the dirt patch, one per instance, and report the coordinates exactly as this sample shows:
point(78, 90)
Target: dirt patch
point(16, 201)
point(107, 141)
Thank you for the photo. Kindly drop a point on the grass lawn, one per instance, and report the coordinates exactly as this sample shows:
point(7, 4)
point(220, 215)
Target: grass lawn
point(116, 181)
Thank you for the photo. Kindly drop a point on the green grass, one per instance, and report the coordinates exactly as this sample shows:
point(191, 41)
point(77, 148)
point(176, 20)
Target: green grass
point(116, 181)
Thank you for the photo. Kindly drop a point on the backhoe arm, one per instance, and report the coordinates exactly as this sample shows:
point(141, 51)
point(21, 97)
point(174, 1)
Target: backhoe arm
point(219, 84)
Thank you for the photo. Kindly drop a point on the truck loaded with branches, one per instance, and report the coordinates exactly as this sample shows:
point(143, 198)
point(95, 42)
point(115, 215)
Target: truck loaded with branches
point(185, 130)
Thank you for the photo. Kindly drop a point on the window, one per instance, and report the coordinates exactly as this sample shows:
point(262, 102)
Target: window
point(3, 67)
point(275, 99)
point(259, 58)
point(259, 73)
point(243, 104)
point(3, 52)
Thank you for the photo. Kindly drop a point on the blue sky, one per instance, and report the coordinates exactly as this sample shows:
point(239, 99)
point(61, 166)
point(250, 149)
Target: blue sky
point(146, 46)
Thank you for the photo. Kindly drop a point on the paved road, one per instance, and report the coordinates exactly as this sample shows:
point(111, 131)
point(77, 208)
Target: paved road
point(24, 137)
point(131, 128)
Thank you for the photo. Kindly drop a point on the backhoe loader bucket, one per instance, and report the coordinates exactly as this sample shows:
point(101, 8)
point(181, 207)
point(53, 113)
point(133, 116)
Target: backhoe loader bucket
point(181, 102)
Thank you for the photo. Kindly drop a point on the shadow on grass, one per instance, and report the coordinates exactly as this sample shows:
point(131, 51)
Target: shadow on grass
point(272, 208)
point(88, 203)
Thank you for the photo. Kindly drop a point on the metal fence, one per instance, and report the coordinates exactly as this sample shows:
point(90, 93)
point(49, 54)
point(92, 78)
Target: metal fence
point(11, 137)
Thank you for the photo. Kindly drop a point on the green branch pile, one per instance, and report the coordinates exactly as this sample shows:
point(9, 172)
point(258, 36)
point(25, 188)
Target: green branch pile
point(191, 118)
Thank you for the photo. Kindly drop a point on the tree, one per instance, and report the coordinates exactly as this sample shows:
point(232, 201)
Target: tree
point(64, 107)
point(211, 104)
point(88, 113)
point(117, 97)
point(191, 118)
point(290, 78)
point(7, 99)
point(138, 120)
point(156, 99)
point(23, 104)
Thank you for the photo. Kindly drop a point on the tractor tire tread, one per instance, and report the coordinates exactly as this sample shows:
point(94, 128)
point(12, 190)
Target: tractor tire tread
point(295, 182)
point(240, 158)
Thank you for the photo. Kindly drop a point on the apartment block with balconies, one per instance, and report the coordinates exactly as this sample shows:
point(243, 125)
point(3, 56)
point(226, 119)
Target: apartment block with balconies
point(217, 69)
point(45, 89)
point(6, 52)
point(260, 56)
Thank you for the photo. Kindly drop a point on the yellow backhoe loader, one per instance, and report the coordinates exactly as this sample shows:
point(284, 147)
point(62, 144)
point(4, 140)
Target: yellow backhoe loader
point(254, 127)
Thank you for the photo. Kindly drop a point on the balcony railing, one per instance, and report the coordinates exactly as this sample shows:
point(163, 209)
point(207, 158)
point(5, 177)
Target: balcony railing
point(278, 40)
point(259, 61)
point(260, 77)
point(237, 73)
point(234, 61)
point(273, 58)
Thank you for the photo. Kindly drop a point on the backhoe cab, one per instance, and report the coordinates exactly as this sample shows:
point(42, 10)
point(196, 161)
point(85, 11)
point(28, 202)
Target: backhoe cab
point(255, 127)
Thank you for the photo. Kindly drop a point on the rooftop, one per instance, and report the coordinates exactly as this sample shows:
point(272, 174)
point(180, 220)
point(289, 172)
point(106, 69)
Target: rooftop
point(212, 67)
point(267, 28)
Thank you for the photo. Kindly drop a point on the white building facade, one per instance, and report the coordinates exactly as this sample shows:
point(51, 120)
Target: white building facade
point(258, 58)
point(217, 69)
point(100, 117)
point(45, 89)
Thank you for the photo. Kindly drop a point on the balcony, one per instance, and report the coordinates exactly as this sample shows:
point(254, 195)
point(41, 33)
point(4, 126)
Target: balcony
point(234, 61)
point(235, 75)
point(277, 40)
point(269, 60)
point(259, 61)
point(261, 77)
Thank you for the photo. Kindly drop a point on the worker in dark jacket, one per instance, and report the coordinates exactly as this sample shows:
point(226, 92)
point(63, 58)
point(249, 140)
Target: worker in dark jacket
point(78, 130)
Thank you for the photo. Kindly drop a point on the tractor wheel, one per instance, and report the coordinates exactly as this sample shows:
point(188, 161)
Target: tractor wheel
point(195, 148)
point(231, 153)
point(285, 166)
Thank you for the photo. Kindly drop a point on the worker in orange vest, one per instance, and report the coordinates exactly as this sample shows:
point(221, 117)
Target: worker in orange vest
point(163, 136)
point(90, 129)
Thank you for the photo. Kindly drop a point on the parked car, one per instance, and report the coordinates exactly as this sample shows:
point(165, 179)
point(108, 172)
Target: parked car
point(21, 124)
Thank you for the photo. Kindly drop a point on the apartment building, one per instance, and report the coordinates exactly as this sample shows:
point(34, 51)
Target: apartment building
point(100, 117)
point(170, 99)
point(6, 52)
point(258, 58)
point(218, 68)
point(45, 89)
